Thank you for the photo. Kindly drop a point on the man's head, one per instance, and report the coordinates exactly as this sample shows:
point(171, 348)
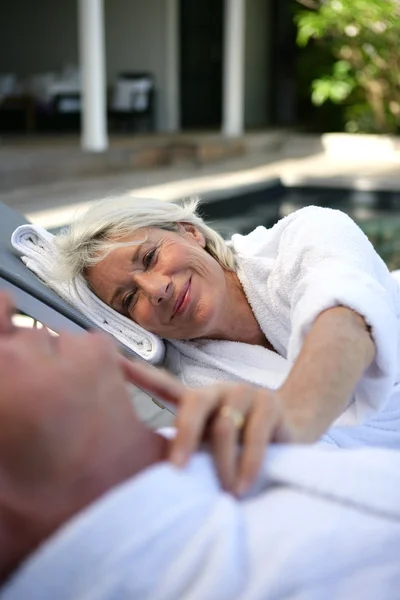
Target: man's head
point(68, 430)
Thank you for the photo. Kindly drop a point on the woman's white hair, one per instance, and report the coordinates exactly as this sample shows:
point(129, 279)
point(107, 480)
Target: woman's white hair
point(92, 236)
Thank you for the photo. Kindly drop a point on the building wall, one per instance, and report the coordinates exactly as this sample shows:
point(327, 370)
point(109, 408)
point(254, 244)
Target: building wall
point(257, 63)
point(37, 35)
point(42, 35)
point(137, 40)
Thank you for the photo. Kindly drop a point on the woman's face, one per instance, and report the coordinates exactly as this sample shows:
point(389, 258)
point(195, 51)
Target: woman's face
point(165, 281)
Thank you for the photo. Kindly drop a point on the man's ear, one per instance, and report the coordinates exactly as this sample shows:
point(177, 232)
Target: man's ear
point(188, 229)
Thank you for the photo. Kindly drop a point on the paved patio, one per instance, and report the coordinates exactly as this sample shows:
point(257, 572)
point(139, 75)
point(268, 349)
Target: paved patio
point(50, 180)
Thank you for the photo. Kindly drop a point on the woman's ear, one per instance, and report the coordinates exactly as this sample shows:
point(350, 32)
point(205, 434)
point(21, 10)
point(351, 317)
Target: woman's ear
point(188, 229)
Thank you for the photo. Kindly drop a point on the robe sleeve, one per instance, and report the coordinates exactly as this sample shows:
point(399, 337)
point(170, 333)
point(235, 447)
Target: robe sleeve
point(325, 260)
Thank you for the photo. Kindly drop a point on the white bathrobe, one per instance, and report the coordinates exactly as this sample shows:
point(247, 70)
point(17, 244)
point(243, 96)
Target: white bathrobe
point(319, 524)
point(310, 261)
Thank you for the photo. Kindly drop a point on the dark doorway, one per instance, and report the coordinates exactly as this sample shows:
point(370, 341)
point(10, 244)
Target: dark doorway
point(283, 63)
point(201, 47)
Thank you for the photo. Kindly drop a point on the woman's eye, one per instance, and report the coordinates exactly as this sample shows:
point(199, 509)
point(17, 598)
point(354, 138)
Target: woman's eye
point(148, 259)
point(127, 301)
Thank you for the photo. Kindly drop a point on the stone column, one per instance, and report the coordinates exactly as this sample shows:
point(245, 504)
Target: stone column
point(93, 84)
point(233, 68)
point(172, 100)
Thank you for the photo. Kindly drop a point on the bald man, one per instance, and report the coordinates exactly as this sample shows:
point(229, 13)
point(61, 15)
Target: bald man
point(91, 508)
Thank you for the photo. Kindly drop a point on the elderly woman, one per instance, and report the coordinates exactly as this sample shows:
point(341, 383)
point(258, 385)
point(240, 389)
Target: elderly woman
point(306, 311)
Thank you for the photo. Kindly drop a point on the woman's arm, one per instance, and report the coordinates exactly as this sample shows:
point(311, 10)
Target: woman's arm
point(335, 353)
point(325, 261)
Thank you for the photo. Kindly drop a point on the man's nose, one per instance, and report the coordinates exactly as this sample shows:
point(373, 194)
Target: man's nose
point(158, 288)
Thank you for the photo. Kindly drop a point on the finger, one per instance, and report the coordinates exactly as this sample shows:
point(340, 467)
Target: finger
point(191, 422)
point(260, 428)
point(156, 382)
point(225, 449)
point(225, 433)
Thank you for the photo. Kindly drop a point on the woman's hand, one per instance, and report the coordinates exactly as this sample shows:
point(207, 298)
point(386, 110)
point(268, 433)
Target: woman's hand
point(336, 351)
point(238, 421)
point(226, 416)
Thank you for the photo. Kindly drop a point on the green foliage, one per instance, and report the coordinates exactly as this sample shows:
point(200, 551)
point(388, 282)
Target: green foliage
point(363, 37)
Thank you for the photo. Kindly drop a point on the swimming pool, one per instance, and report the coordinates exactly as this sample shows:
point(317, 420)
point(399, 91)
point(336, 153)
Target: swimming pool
point(376, 211)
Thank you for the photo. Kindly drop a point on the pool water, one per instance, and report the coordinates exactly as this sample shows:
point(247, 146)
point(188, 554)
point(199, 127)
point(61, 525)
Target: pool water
point(376, 212)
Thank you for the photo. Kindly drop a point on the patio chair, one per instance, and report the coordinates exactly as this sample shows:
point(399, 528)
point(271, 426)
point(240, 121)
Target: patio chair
point(132, 106)
point(34, 299)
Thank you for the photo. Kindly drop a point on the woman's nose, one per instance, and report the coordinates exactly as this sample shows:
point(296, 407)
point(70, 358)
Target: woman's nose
point(157, 287)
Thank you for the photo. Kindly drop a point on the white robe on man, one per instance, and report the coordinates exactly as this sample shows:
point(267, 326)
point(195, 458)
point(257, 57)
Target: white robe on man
point(319, 523)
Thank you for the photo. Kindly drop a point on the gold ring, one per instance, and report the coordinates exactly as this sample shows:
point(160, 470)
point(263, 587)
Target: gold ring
point(232, 413)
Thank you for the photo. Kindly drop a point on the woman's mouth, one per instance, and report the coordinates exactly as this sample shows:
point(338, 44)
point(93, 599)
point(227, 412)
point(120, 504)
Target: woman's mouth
point(183, 299)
